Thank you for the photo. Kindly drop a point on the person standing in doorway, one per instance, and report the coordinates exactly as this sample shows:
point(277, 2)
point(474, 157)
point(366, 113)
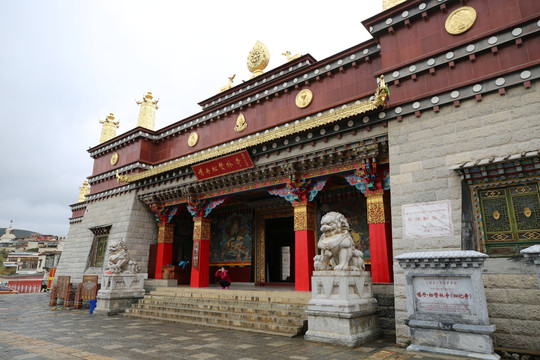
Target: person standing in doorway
point(224, 279)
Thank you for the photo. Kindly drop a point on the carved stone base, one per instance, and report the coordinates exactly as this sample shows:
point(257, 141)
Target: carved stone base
point(460, 339)
point(118, 292)
point(342, 309)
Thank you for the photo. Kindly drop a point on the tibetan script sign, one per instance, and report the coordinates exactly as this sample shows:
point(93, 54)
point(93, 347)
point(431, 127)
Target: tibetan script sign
point(224, 165)
point(427, 220)
point(444, 294)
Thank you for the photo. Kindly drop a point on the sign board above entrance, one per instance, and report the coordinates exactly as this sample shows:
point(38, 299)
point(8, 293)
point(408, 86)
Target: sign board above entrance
point(223, 165)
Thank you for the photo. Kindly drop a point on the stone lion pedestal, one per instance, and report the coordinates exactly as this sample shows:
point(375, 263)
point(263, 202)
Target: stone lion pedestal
point(118, 292)
point(342, 309)
point(122, 285)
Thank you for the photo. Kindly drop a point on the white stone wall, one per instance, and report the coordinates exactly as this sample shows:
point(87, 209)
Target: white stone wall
point(422, 150)
point(130, 220)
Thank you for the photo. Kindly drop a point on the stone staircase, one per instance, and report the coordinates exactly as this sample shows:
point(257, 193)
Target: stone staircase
point(269, 312)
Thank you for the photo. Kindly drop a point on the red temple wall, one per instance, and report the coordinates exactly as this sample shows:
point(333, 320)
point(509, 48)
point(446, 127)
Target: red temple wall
point(423, 39)
point(332, 91)
point(427, 36)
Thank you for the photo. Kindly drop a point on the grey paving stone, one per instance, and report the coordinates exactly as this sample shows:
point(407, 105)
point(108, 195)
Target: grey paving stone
point(74, 334)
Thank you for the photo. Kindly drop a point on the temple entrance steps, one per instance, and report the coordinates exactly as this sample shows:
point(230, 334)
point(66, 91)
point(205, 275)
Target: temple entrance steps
point(275, 312)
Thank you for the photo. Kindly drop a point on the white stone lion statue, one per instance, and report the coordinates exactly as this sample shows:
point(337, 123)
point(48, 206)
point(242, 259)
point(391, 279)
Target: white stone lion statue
point(119, 260)
point(337, 246)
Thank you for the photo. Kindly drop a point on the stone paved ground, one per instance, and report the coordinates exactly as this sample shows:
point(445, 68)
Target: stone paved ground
point(30, 329)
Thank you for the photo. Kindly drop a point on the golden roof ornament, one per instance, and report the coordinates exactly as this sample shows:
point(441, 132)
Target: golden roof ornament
point(147, 112)
point(108, 131)
point(289, 57)
point(387, 4)
point(241, 123)
point(258, 59)
point(83, 191)
point(229, 85)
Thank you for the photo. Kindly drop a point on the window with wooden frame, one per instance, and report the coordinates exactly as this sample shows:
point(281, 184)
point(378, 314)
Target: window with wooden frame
point(99, 245)
point(510, 218)
point(501, 201)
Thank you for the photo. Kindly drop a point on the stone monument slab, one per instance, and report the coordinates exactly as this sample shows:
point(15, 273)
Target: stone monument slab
point(446, 304)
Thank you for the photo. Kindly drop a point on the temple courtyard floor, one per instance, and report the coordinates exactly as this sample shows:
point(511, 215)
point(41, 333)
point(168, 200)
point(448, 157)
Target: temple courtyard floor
point(30, 329)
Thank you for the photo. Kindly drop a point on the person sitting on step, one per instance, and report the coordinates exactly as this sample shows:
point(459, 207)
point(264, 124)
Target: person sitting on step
point(224, 279)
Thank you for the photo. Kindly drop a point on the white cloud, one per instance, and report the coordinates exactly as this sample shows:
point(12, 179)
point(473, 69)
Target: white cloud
point(66, 64)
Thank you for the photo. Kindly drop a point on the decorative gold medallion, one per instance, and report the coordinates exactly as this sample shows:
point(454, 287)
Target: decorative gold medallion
point(114, 158)
point(193, 139)
point(460, 20)
point(241, 123)
point(258, 59)
point(387, 4)
point(527, 212)
point(496, 215)
point(303, 99)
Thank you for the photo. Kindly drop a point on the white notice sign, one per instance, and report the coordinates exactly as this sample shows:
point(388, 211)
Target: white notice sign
point(285, 262)
point(444, 294)
point(427, 219)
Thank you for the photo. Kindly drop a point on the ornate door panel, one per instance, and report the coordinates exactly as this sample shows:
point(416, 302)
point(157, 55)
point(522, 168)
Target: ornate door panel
point(511, 219)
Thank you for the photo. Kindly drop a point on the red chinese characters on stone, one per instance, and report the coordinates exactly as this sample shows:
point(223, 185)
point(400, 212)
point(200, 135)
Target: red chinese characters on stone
point(442, 295)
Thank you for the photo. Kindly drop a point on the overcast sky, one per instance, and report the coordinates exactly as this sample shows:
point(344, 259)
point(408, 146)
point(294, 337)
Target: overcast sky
point(64, 65)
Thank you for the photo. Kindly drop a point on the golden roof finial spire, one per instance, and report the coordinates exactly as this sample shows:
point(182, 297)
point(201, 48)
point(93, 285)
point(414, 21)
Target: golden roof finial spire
point(147, 112)
point(108, 131)
point(83, 191)
point(258, 59)
point(387, 4)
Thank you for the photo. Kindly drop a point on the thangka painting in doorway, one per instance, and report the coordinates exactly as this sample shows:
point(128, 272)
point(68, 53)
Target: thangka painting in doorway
point(353, 207)
point(232, 239)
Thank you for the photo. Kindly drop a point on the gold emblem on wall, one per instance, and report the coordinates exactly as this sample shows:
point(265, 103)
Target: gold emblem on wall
point(241, 123)
point(114, 158)
point(460, 20)
point(303, 99)
point(496, 215)
point(258, 59)
point(387, 4)
point(193, 139)
point(527, 212)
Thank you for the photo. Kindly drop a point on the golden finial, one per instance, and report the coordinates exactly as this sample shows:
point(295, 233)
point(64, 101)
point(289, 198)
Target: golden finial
point(258, 59)
point(387, 4)
point(289, 57)
point(108, 131)
point(83, 191)
point(229, 85)
point(147, 112)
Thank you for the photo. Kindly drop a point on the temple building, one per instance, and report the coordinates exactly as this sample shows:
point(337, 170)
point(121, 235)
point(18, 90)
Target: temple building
point(425, 137)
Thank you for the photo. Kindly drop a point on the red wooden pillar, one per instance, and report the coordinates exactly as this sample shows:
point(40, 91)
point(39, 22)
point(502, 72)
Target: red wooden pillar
point(304, 244)
point(380, 236)
point(164, 247)
point(200, 262)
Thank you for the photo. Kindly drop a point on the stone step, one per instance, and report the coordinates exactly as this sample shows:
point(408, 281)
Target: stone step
point(233, 306)
point(289, 297)
point(240, 327)
point(224, 313)
point(269, 312)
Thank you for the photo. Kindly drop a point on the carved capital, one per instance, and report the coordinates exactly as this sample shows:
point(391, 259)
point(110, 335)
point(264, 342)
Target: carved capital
point(201, 228)
point(304, 216)
point(375, 207)
point(165, 233)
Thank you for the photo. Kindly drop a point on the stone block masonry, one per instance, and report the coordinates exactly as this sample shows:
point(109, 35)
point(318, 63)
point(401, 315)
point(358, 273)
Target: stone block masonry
point(130, 220)
point(495, 126)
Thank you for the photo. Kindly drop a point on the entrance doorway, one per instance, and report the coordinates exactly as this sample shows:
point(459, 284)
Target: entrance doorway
point(279, 249)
